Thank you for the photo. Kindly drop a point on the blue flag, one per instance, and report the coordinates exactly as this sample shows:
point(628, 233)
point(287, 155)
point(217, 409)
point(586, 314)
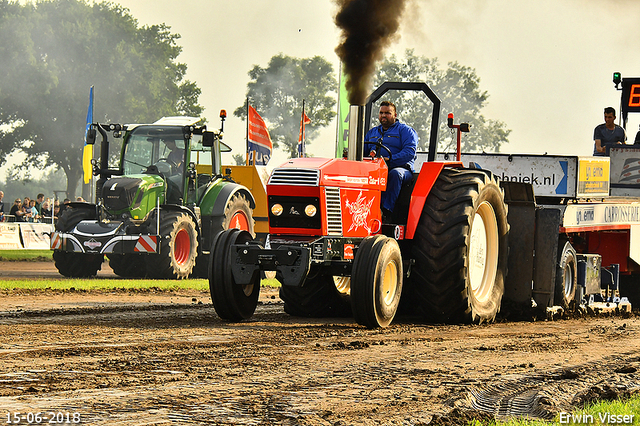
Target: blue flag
point(87, 153)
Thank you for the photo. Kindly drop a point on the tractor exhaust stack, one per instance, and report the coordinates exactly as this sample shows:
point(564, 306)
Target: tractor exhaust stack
point(356, 132)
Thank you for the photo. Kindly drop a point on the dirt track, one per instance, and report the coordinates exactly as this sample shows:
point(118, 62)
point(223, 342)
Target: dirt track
point(139, 358)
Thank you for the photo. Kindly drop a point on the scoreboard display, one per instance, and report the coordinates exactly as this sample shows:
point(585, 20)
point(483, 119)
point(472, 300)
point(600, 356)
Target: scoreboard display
point(630, 95)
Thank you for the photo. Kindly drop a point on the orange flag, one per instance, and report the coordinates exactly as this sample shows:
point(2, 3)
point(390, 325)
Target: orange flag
point(303, 120)
point(258, 139)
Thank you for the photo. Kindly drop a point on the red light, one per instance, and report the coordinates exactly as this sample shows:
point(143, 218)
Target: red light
point(223, 113)
point(450, 115)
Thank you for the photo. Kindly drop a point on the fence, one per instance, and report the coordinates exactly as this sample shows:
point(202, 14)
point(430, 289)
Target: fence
point(25, 235)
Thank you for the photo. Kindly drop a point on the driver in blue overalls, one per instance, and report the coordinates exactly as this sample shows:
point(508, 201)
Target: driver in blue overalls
point(401, 141)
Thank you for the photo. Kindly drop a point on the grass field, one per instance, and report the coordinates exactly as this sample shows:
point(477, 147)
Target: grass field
point(25, 255)
point(95, 283)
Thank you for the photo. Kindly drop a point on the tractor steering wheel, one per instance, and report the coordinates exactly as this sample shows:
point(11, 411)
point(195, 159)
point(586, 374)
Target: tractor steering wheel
point(380, 145)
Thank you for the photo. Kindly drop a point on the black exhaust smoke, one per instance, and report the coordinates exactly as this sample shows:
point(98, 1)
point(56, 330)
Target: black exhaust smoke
point(368, 26)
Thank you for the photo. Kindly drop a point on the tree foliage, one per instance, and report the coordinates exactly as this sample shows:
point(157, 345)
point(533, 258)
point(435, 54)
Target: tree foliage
point(458, 88)
point(53, 51)
point(278, 90)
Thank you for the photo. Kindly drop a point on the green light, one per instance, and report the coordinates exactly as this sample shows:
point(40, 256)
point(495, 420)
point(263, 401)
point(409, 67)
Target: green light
point(617, 78)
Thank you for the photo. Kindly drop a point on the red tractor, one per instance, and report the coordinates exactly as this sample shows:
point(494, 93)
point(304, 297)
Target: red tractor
point(443, 254)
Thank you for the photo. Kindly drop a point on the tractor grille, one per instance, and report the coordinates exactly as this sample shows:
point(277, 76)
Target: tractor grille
point(334, 211)
point(289, 176)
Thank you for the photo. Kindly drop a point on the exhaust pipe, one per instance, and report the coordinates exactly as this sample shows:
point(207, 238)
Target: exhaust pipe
point(356, 132)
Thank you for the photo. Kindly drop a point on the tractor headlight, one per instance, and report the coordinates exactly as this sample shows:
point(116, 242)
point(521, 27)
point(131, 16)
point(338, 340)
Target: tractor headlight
point(310, 210)
point(277, 209)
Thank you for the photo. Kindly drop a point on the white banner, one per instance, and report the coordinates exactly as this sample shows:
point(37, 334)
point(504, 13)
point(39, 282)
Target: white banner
point(10, 236)
point(36, 235)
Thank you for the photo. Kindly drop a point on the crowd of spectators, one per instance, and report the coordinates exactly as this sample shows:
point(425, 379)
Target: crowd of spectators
point(40, 209)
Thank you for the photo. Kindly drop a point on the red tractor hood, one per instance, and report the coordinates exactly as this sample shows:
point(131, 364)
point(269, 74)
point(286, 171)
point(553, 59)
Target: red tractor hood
point(367, 174)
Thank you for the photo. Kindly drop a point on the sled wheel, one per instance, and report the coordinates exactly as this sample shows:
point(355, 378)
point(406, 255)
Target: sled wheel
point(566, 276)
point(231, 301)
point(376, 281)
point(178, 247)
point(318, 297)
point(460, 248)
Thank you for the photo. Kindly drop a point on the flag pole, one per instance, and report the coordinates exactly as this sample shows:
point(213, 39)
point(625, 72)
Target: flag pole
point(302, 153)
point(247, 134)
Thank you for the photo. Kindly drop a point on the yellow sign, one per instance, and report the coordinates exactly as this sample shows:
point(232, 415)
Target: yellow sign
point(593, 176)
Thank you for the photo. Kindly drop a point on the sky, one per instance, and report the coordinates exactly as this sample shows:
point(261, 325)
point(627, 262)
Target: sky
point(547, 65)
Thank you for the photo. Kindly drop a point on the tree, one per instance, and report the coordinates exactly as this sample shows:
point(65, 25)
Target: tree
point(458, 87)
point(54, 51)
point(277, 92)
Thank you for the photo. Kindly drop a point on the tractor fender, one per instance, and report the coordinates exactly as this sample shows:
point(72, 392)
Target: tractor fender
point(213, 207)
point(428, 175)
point(225, 194)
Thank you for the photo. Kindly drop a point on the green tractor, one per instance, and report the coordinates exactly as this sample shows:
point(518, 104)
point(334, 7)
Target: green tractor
point(158, 212)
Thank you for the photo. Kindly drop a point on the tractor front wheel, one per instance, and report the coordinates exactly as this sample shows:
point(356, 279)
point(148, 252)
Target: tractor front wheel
point(232, 302)
point(178, 247)
point(72, 264)
point(376, 281)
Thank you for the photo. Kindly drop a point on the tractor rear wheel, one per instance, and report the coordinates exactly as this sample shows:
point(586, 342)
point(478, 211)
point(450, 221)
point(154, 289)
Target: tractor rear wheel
point(317, 298)
point(460, 248)
point(566, 276)
point(178, 247)
point(72, 264)
point(376, 281)
point(232, 302)
point(238, 214)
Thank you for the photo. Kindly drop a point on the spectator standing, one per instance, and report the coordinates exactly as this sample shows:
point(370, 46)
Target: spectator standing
point(1, 206)
point(26, 209)
point(16, 211)
point(39, 201)
point(45, 212)
point(34, 216)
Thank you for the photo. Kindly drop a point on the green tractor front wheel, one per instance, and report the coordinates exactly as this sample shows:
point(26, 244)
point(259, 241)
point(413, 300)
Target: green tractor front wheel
point(178, 247)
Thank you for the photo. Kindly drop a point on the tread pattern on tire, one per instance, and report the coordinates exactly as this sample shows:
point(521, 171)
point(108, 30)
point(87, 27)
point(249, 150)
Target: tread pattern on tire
point(439, 279)
point(164, 265)
point(366, 304)
point(317, 298)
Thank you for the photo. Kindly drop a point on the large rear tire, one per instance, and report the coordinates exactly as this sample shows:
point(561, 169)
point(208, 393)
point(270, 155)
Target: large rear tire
point(317, 298)
point(566, 276)
point(238, 214)
point(71, 264)
point(178, 247)
point(232, 302)
point(376, 281)
point(460, 249)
